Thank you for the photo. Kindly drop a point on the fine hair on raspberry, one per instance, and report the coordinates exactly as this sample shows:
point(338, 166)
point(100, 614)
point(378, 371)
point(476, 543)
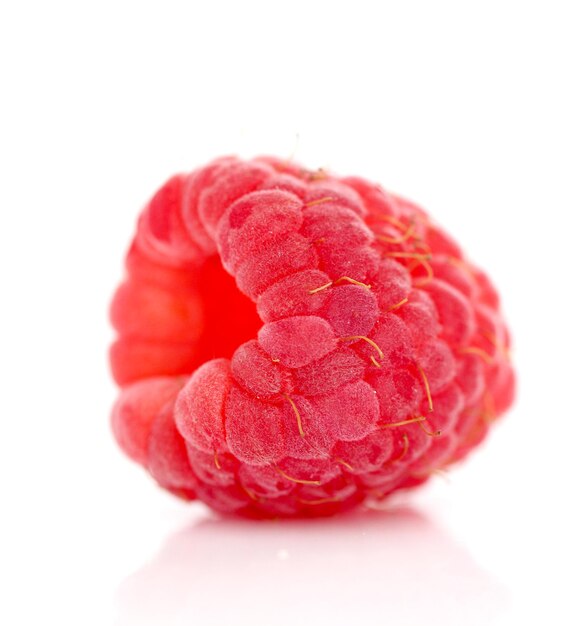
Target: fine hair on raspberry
point(297, 343)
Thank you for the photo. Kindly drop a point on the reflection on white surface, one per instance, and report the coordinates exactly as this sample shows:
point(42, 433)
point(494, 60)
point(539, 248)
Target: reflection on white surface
point(370, 567)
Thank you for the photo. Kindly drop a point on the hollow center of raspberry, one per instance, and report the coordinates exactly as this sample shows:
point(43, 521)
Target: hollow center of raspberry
point(229, 317)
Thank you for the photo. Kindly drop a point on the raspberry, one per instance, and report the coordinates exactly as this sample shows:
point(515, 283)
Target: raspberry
point(292, 343)
point(297, 341)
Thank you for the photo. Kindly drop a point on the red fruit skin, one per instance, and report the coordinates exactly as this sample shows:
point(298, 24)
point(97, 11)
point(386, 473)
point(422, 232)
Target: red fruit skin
point(291, 343)
point(135, 411)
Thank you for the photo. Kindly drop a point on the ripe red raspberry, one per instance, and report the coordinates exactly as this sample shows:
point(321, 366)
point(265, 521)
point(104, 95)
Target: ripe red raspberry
point(295, 343)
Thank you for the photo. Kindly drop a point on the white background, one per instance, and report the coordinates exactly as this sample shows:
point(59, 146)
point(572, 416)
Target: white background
point(471, 109)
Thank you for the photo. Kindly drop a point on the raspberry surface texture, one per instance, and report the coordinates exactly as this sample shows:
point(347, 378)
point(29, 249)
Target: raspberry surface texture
point(295, 343)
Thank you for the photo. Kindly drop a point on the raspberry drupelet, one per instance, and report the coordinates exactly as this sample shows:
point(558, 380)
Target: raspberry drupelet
point(293, 343)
